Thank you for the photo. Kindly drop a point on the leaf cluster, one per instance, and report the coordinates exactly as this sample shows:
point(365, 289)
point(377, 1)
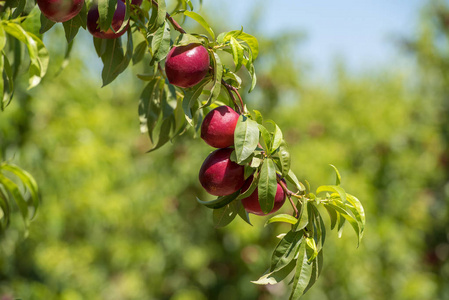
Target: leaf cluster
point(22, 188)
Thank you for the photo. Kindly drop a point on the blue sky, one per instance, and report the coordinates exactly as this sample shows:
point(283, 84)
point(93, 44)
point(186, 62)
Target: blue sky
point(359, 31)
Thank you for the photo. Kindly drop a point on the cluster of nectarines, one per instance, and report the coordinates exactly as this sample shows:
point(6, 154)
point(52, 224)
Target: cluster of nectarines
point(185, 67)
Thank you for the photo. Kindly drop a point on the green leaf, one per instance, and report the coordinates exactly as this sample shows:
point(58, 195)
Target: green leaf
point(252, 187)
point(237, 53)
point(244, 215)
point(180, 119)
point(139, 52)
point(250, 40)
point(357, 211)
point(311, 245)
point(185, 39)
point(72, 26)
point(19, 8)
point(225, 215)
point(341, 209)
point(334, 189)
point(7, 84)
point(115, 61)
point(258, 116)
point(234, 77)
point(267, 185)
point(252, 73)
point(293, 179)
point(125, 22)
point(302, 275)
point(246, 138)
point(220, 201)
point(338, 180)
point(282, 218)
point(2, 38)
point(149, 107)
point(112, 58)
point(332, 215)
point(200, 21)
point(161, 12)
point(13, 189)
point(218, 73)
point(106, 10)
point(266, 139)
point(4, 205)
point(341, 225)
point(36, 50)
point(28, 181)
point(278, 138)
point(284, 158)
point(161, 43)
point(164, 133)
point(303, 216)
point(286, 250)
point(317, 265)
point(46, 24)
point(277, 276)
point(191, 97)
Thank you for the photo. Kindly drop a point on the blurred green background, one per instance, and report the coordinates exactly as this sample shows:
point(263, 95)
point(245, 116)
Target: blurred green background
point(117, 223)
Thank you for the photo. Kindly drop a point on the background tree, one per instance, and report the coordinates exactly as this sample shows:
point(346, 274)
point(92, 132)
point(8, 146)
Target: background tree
point(119, 224)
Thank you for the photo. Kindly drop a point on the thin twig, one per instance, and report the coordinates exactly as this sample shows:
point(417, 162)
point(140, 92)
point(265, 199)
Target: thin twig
point(289, 195)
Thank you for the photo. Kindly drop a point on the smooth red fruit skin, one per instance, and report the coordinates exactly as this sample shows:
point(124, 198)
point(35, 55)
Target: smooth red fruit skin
point(220, 176)
point(218, 127)
point(252, 205)
point(187, 65)
point(60, 10)
point(117, 21)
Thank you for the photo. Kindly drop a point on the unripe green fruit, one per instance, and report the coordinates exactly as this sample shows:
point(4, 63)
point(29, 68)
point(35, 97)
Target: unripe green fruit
point(220, 176)
point(252, 205)
point(218, 127)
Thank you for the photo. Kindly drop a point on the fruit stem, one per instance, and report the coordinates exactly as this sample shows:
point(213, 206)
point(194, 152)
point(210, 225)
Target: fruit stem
point(175, 24)
point(289, 196)
point(231, 89)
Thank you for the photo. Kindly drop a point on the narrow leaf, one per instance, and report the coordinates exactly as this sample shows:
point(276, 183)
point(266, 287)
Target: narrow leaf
point(267, 185)
point(302, 275)
point(284, 158)
point(225, 215)
point(338, 179)
point(282, 218)
point(237, 53)
point(333, 188)
point(246, 138)
point(220, 201)
point(286, 250)
point(28, 181)
point(200, 21)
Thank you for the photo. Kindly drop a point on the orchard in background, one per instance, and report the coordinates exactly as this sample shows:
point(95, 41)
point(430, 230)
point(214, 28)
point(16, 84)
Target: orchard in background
point(249, 172)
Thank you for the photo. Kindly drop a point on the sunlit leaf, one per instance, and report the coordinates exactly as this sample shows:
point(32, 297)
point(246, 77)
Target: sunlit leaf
point(267, 185)
point(282, 218)
point(302, 275)
point(333, 188)
point(246, 138)
point(286, 250)
point(200, 21)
